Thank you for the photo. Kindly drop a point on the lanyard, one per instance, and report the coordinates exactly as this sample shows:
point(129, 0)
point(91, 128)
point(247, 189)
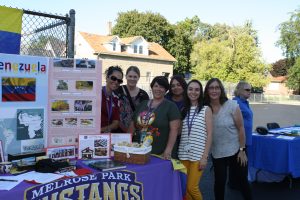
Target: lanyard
point(190, 123)
point(108, 104)
point(150, 111)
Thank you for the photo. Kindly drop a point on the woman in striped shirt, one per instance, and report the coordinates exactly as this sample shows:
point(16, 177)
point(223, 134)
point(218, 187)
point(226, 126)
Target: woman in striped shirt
point(195, 138)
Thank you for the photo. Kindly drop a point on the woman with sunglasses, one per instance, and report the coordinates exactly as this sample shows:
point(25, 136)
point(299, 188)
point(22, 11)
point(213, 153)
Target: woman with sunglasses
point(159, 117)
point(242, 93)
point(110, 114)
point(195, 137)
point(228, 143)
point(130, 97)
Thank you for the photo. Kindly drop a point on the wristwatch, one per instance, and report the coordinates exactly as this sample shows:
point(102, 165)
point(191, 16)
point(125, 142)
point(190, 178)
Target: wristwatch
point(242, 148)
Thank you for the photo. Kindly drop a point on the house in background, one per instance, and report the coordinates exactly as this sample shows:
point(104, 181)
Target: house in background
point(151, 58)
point(277, 86)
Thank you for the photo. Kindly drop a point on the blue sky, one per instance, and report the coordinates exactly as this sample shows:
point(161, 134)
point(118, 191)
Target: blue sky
point(93, 15)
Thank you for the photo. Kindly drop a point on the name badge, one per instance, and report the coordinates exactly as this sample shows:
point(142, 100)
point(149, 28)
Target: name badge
point(187, 147)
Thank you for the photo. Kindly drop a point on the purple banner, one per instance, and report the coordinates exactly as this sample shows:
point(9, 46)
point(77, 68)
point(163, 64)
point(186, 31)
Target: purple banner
point(105, 185)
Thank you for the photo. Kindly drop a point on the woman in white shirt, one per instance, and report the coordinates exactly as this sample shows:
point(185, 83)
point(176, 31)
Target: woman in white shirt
point(228, 141)
point(195, 138)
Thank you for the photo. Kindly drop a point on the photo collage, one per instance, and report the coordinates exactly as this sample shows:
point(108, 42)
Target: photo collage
point(73, 99)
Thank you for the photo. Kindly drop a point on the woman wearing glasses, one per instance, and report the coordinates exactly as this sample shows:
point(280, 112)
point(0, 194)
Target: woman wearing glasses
point(130, 97)
point(159, 117)
point(228, 143)
point(110, 114)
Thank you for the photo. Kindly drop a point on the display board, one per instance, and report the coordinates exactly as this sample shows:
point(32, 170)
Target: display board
point(23, 105)
point(74, 100)
point(47, 101)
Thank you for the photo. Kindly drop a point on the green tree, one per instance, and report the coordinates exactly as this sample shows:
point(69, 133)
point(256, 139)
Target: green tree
point(279, 68)
point(231, 54)
point(290, 37)
point(293, 81)
point(181, 45)
point(152, 26)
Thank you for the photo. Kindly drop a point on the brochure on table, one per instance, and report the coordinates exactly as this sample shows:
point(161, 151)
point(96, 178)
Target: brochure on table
point(23, 105)
point(62, 152)
point(94, 146)
point(74, 100)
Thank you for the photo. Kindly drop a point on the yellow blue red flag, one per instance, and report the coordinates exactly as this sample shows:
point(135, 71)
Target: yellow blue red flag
point(10, 30)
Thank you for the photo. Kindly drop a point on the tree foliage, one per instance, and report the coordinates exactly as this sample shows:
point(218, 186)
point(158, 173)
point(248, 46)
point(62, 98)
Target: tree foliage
point(152, 26)
point(293, 81)
point(177, 39)
point(279, 68)
point(229, 53)
point(181, 44)
point(290, 36)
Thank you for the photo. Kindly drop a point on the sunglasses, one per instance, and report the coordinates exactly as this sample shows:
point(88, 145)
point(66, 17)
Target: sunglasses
point(248, 90)
point(113, 78)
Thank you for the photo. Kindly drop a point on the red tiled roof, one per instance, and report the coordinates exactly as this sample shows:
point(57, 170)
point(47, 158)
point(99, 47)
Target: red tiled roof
point(278, 79)
point(155, 50)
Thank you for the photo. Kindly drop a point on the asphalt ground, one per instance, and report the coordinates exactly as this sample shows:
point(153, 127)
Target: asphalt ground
point(284, 115)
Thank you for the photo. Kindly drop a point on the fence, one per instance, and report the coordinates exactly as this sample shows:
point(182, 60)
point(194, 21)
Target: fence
point(287, 99)
point(47, 34)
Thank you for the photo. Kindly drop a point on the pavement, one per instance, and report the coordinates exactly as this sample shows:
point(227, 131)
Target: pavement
point(288, 189)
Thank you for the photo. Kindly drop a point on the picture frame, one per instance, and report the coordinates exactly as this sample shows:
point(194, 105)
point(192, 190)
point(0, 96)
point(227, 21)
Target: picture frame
point(61, 152)
point(1, 152)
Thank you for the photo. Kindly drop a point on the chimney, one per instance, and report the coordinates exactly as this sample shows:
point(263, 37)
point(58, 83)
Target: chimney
point(109, 26)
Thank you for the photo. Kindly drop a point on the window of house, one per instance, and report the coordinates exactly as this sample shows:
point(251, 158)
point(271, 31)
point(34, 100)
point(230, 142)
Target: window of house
point(148, 76)
point(166, 74)
point(114, 46)
point(140, 49)
point(134, 48)
point(123, 48)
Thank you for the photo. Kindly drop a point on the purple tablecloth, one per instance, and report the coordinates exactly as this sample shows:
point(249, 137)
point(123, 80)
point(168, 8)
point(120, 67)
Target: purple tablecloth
point(158, 178)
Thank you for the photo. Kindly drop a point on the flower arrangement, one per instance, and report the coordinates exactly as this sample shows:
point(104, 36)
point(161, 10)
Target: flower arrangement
point(153, 131)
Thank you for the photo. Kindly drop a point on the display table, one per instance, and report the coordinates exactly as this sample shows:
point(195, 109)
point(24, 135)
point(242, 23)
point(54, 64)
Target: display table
point(159, 181)
point(276, 154)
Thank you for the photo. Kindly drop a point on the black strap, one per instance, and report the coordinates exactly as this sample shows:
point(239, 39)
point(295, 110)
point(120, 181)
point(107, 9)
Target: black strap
point(129, 97)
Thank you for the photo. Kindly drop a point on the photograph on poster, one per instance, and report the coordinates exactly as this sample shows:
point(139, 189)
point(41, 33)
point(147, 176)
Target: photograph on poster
point(57, 122)
point(84, 85)
point(60, 140)
point(62, 85)
point(18, 89)
point(61, 152)
point(30, 124)
point(8, 135)
point(71, 121)
point(87, 122)
point(60, 105)
point(100, 151)
point(64, 63)
point(83, 105)
point(85, 64)
point(94, 146)
point(1, 152)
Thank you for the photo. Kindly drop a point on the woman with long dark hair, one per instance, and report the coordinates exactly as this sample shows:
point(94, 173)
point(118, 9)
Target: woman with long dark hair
point(110, 114)
point(176, 93)
point(195, 137)
point(228, 143)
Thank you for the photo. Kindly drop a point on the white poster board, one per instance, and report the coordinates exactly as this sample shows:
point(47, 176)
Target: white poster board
point(23, 105)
